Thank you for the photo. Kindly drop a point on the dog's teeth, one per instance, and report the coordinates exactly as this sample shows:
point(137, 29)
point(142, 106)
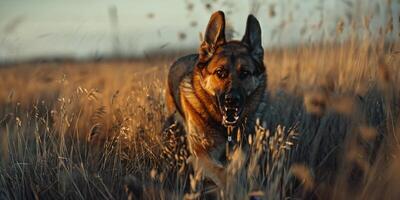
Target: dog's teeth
point(236, 118)
point(226, 108)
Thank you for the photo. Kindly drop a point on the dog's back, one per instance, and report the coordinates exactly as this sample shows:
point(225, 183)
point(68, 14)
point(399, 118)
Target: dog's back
point(179, 70)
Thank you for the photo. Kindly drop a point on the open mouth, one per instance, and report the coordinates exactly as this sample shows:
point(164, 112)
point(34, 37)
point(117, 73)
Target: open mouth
point(230, 105)
point(230, 115)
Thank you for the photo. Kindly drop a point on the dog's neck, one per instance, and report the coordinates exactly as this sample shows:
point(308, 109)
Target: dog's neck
point(206, 100)
point(201, 102)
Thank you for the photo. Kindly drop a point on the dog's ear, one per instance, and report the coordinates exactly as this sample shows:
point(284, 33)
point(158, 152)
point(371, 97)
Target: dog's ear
point(252, 38)
point(213, 37)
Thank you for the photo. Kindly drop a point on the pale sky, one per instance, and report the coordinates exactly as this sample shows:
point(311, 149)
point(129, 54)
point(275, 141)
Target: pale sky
point(82, 28)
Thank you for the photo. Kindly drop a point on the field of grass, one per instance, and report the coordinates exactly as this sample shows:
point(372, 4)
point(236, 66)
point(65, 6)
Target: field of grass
point(94, 130)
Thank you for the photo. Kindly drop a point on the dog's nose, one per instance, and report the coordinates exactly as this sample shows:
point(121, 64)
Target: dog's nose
point(232, 99)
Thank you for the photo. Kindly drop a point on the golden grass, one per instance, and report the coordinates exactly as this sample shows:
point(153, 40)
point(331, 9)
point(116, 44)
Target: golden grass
point(94, 130)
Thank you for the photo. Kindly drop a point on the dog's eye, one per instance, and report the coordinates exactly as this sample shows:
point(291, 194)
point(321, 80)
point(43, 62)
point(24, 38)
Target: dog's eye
point(244, 74)
point(221, 73)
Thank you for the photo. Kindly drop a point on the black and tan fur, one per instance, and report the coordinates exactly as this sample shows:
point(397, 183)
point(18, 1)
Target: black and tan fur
point(222, 86)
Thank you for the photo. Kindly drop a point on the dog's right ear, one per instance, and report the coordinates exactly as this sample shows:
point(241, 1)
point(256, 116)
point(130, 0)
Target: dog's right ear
point(252, 38)
point(213, 37)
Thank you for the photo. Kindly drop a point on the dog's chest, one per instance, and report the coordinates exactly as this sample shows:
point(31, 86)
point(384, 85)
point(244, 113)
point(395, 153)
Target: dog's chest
point(203, 135)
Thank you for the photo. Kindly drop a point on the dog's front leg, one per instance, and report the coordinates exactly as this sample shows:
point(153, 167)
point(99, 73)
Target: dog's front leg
point(202, 149)
point(213, 170)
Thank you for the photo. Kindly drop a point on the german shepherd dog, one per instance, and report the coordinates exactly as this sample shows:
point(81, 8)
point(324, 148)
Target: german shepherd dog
point(219, 89)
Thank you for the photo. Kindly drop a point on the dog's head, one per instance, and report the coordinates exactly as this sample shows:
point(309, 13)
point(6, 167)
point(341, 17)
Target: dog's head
point(231, 70)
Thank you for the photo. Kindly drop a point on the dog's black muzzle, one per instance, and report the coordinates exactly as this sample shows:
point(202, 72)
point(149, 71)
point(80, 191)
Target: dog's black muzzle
point(231, 108)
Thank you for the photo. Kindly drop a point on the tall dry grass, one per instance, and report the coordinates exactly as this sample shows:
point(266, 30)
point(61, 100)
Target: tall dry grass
point(95, 130)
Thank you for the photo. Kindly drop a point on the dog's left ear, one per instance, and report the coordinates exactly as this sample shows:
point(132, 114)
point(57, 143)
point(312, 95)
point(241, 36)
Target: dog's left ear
point(252, 38)
point(214, 36)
